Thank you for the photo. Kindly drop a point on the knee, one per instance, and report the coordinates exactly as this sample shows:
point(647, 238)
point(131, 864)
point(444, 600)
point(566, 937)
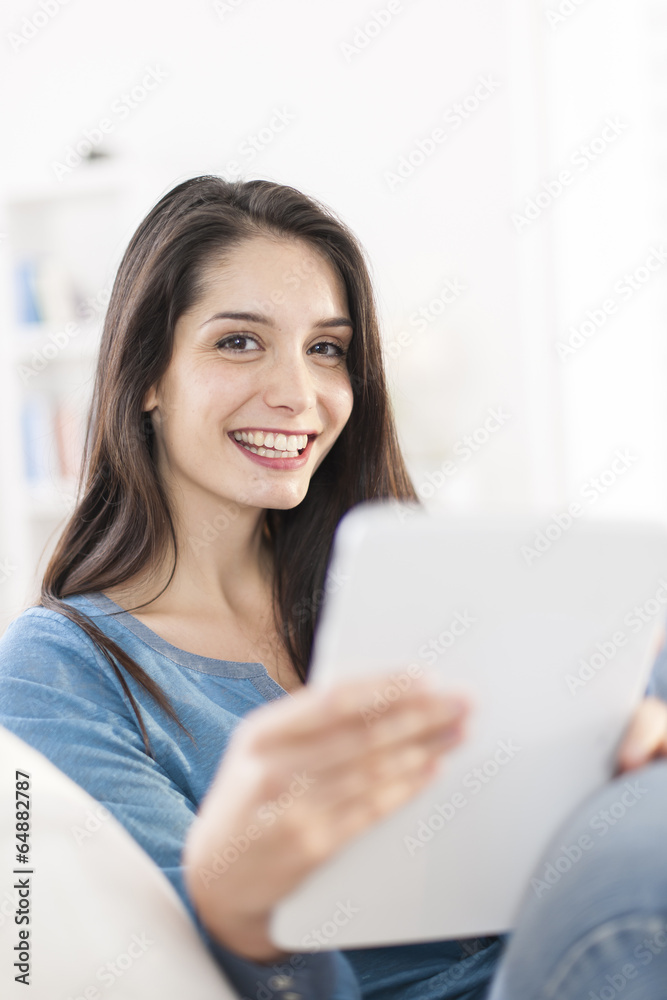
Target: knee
point(603, 874)
point(617, 840)
point(630, 809)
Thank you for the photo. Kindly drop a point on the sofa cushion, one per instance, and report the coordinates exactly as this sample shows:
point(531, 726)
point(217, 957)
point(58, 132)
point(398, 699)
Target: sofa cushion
point(104, 921)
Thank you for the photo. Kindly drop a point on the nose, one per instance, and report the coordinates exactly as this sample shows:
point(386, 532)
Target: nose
point(289, 384)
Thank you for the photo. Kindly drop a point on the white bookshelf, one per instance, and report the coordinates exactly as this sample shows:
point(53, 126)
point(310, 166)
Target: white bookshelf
point(67, 239)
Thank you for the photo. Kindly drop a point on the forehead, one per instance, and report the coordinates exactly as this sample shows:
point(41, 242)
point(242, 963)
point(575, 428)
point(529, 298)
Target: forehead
point(274, 270)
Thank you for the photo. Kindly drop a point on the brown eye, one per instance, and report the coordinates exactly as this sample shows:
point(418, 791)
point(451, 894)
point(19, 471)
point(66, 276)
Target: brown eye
point(328, 343)
point(234, 340)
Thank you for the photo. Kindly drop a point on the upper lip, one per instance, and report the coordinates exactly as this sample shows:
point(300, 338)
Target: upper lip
point(273, 430)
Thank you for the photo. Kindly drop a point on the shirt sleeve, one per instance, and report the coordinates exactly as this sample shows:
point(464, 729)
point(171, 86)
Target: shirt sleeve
point(326, 974)
point(59, 694)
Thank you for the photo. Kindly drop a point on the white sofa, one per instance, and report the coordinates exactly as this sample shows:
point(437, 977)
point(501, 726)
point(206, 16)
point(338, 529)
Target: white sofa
point(105, 922)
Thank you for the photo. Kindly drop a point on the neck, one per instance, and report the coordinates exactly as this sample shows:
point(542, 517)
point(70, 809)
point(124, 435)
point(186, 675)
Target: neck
point(224, 562)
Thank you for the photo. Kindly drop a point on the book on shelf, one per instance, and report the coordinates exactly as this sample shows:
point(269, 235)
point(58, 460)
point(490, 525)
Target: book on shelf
point(45, 292)
point(53, 433)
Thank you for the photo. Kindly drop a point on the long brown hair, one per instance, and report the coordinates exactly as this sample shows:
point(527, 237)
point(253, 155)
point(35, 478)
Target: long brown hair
point(122, 522)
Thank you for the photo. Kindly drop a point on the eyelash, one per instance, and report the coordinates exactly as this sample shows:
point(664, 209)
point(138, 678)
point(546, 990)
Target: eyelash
point(246, 336)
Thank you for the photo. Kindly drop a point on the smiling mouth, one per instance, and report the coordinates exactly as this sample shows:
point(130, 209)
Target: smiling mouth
point(269, 444)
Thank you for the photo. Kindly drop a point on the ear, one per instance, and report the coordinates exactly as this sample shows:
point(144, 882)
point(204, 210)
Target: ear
point(150, 400)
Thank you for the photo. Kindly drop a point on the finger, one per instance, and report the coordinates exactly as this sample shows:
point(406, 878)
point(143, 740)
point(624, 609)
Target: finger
point(438, 713)
point(327, 832)
point(352, 743)
point(336, 788)
point(413, 726)
point(330, 790)
point(321, 712)
point(304, 836)
point(289, 769)
point(358, 814)
point(646, 736)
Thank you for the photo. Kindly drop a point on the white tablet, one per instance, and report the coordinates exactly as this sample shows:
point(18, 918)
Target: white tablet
point(551, 629)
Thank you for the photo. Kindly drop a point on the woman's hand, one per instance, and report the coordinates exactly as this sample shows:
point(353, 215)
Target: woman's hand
point(646, 737)
point(300, 778)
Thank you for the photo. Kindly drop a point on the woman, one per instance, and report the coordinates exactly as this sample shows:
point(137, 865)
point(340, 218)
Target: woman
point(239, 410)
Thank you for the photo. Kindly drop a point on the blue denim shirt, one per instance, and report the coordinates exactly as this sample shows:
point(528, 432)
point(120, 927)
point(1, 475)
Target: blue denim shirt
point(60, 695)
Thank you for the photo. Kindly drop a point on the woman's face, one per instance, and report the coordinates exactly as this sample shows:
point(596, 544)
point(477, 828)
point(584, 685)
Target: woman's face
point(260, 357)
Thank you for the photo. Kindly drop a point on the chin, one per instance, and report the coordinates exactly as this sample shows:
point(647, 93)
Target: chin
point(285, 503)
point(266, 497)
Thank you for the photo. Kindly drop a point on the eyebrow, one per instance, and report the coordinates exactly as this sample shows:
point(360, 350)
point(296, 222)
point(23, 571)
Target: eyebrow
point(250, 317)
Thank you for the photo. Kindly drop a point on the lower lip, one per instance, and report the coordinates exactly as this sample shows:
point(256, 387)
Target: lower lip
point(276, 463)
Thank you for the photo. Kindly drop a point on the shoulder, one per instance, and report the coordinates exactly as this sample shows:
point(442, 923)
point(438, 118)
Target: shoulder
point(42, 646)
point(41, 622)
point(38, 627)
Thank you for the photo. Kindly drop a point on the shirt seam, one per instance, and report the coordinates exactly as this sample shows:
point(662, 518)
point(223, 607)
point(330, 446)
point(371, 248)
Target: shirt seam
point(260, 679)
point(211, 673)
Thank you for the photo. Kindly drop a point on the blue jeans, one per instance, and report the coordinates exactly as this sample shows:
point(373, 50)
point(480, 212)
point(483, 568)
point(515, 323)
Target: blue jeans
point(593, 923)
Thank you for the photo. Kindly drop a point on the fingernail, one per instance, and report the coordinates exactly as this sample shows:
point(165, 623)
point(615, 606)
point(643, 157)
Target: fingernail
point(456, 706)
point(449, 735)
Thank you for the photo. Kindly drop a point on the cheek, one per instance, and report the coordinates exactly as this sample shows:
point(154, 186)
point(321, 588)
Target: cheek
point(342, 403)
point(335, 394)
point(209, 398)
point(189, 407)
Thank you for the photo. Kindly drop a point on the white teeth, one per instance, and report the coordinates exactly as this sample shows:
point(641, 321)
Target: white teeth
point(286, 444)
point(271, 453)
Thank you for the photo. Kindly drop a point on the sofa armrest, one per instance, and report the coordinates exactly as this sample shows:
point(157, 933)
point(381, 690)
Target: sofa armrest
point(104, 921)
